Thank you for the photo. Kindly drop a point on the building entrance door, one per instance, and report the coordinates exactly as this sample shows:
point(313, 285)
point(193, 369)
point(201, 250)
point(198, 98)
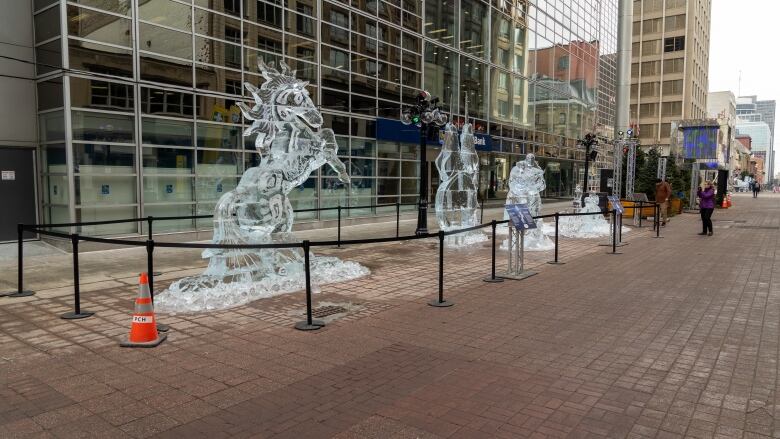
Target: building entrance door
point(17, 191)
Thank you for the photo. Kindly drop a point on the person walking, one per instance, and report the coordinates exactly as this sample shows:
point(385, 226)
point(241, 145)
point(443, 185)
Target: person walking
point(663, 190)
point(706, 207)
point(756, 188)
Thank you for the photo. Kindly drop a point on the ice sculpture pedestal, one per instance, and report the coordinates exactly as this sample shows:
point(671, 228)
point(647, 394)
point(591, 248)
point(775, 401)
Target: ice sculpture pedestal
point(515, 270)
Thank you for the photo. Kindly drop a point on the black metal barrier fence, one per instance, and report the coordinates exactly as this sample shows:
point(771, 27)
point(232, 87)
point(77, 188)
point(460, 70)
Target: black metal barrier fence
point(309, 323)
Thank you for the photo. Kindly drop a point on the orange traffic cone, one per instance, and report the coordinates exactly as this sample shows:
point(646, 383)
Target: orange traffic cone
point(728, 199)
point(143, 330)
point(725, 203)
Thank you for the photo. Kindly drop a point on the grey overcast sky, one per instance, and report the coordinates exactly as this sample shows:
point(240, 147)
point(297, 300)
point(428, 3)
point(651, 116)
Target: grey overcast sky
point(743, 37)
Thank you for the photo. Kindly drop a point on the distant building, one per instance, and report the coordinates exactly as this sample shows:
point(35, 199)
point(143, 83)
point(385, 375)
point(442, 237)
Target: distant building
point(750, 109)
point(722, 106)
point(670, 61)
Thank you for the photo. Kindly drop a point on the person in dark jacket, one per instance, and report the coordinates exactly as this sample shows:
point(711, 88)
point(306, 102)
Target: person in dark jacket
point(706, 207)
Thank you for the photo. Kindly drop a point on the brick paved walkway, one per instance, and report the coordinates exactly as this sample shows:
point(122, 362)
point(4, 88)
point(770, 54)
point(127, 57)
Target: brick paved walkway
point(676, 337)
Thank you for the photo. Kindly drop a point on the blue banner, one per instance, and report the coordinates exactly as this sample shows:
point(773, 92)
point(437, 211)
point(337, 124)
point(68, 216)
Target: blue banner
point(700, 142)
point(395, 131)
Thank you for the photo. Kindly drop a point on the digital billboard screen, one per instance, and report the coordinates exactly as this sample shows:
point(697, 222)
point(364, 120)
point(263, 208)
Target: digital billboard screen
point(700, 142)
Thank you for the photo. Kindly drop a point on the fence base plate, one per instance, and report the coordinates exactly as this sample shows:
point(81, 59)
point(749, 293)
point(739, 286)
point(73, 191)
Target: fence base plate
point(614, 253)
point(162, 327)
point(305, 326)
point(437, 304)
point(23, 293)
point(493, 280)
point(519, 276)
point(556, 263)
point(76, 316)
point(619, 244)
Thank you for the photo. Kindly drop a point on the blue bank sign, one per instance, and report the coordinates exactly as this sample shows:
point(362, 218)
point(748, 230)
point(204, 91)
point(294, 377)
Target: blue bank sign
point(395, 131)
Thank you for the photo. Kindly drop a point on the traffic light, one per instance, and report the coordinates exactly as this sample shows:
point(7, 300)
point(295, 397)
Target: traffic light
point(415, 119)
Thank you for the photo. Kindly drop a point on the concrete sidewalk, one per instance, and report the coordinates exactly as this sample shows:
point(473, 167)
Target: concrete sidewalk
point(676, 337)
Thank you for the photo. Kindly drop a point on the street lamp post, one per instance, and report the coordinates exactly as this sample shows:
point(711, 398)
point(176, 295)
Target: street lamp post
point(424, 113)
point(588, 142)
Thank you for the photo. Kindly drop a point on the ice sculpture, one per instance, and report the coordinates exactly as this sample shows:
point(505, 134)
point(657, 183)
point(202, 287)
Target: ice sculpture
point(586, 226)
point(456, 197)
point(577, 201)
point(526, 181)
point(292, 145)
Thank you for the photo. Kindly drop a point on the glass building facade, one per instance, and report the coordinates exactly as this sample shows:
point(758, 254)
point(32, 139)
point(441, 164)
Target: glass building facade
point(136, 98)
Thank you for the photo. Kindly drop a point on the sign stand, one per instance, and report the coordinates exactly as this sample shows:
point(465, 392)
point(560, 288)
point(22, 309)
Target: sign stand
point(521, 220)
point(615, 223)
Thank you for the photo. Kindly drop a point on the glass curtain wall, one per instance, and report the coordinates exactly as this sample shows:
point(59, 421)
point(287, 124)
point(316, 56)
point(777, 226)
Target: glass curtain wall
point(144, 119)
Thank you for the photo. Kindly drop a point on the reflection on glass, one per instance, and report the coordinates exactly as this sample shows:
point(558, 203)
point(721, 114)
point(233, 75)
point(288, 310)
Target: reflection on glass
point(165, 70)
point(166, 102)
point(164, 41)
point(440, 21)
point(166, 13)
point(48, 57)
point(166, 132)
point(99, 58)
point(168, 189)
point(91, 93)
point(106, 212)
point(218, 136)
point(441, 73)
point(102, 127)
point(101, 189)
point(105, 28)
point(157, 210)
point(50, 94)
point(474, 27)
point(51, 126)
point(474, 87)
point(219, 163)
point(168, 161)
point(91, 158)
point(47, 24)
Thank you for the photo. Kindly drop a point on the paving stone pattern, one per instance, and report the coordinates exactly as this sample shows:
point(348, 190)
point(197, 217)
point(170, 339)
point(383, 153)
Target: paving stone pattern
point(675, 337)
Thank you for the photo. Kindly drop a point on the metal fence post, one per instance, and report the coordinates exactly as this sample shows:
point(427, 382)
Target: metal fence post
point(309, 324)
point(557, 221)
point(339, 227)
point(641, 210)
point(440, 302)
point(493, 277)
point(658, 221)
point(77, 312)
point(149, 221)
point(151, 273)
point(615, 225)
point(397, 218)
point(20, 291)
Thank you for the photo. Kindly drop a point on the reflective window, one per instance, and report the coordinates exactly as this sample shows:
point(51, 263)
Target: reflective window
point(166, 13)
point(440, 21)
point(51, 126)
point(91, 93)
point(99, 58)
point(164, 41)
point(165, 70)
point(166, 132)
point(103, 127)
point(166, 102)
point(218, 136)
point(441, 72)
point(116, 6)
point(474, 27)
point(168, 161)
point(47, 24)
point(219, 163)
point(89, 158)
point(96, 26)
point(50, 94)
point(48, 57)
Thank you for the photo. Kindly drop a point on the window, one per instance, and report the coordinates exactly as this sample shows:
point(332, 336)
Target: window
point(673, 87)
point(674, 65)
point(675, 22)
point(649, 89)
point(269, 14)
point(674, 44)
point(651, 26)
point(671, 108)
point(233, 7)
point(648, 110)
point(502, 80)
point(647, 131)
point(233, 53)
point(563, 62)
point(651, 47)
point(651, 67)
point(637, 28)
